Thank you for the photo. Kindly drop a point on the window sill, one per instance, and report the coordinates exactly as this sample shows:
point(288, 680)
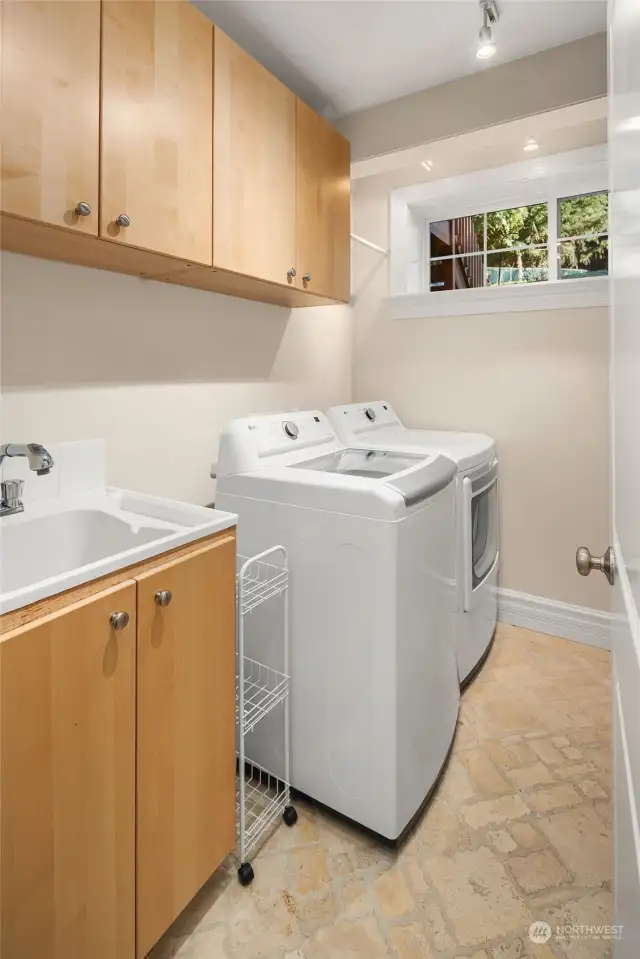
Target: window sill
point(558, 295)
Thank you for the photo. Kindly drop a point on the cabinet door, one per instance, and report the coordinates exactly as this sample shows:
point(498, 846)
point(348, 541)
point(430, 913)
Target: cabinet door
point(254, 228)
point(186, 732)
point(323, 213)
point(157, 127)
point(50, 80)
point(67, 775)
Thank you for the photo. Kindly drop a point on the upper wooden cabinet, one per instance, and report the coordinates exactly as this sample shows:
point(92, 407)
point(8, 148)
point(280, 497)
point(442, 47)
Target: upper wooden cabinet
point(157, 127)
point(254, 173)
point(186, 731)
point(192, 163)
point(50, 80)
point(323, 212)
point(67, 763)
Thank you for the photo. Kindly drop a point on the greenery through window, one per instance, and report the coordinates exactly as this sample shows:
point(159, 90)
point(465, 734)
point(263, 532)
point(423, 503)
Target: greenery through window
point(513, 246)
point(582, 228)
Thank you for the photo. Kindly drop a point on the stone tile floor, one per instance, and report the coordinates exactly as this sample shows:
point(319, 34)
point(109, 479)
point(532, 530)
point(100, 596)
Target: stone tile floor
point(520, 830)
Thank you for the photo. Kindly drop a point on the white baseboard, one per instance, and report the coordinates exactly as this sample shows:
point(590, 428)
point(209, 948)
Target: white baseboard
point(590, 626)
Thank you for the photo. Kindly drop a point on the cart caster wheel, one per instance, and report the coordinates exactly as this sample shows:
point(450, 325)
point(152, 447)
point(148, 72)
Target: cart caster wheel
point(245, 874)
point(290, 815)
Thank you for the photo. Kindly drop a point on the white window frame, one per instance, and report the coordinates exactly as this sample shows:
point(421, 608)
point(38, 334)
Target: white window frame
point(544, 179)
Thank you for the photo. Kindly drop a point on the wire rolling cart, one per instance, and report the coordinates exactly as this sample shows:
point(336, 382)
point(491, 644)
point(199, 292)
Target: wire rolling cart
point(262, 796)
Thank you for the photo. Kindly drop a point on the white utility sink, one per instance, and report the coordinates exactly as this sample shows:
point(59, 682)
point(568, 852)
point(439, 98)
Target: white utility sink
point(59, 543)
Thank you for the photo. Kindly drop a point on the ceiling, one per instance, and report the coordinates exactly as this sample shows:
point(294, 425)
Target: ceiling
point(344, 55)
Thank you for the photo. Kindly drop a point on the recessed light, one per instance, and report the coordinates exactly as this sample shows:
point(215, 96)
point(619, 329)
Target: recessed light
point(531, 145)
point(486, 45)
point(427, 164)
point(629, 125)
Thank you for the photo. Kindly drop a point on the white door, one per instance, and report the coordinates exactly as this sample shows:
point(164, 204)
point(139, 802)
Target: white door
point(624, 142)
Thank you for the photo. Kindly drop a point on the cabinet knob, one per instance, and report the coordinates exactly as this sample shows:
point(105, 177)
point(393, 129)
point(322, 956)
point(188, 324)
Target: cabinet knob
point(307, 278)
point(119, 620)
point(163, 597)
point(123, 220)
point(291, 273)
point(83, 209)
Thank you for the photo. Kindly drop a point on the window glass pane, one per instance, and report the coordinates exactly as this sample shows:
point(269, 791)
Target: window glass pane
point(519, 226)
point(451, 237)
point(578, 258)
point(517, 266)
point(578, 215)
point(468, 272)
point(459, 273)
point(441, 275)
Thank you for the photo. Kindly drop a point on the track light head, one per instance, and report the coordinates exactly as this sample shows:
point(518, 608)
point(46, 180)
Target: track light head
point(486, 45)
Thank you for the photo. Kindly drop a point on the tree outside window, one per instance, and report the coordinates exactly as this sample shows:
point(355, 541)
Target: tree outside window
point(583, 249)
point(513, 246)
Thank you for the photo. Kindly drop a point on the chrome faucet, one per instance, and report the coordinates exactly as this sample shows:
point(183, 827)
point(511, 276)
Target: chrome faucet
point(40, 461)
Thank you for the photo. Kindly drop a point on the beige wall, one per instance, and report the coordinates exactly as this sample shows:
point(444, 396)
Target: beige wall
point(157, 370)
point(537, 382)
point(554, 78)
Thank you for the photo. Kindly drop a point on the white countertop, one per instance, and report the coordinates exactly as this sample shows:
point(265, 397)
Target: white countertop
point(63, 541)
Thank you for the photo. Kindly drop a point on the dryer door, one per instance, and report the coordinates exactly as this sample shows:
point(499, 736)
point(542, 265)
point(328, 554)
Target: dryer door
point(480, 505)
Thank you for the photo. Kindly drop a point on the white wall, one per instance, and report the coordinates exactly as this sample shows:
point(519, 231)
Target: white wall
point(537, 382)
point(157, 370)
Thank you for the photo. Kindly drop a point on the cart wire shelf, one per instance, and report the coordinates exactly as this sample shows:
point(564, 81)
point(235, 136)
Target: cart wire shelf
point(265, 799)
point(260, 582)
point(264, 688)
point(262, 797)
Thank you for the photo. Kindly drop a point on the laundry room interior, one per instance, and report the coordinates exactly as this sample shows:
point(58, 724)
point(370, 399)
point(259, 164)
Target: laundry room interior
point(319, 632)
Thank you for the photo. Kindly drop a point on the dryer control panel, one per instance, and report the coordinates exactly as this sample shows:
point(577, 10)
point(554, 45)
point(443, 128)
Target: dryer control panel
point(357, 418)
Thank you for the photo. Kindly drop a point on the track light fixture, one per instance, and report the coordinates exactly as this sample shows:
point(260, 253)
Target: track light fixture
point(490, 16)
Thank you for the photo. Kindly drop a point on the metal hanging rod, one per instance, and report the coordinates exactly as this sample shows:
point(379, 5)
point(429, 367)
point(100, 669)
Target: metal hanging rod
point(372, 246)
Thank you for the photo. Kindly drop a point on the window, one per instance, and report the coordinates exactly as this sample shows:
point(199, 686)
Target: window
point(583, 249)
point(513, 246)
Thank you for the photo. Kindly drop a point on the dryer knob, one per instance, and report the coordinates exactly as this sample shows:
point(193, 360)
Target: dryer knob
point(370, 414)
point(290, 429)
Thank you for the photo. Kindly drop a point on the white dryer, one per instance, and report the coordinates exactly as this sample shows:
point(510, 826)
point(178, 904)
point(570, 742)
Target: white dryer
point(376, 426)
point(374, 683)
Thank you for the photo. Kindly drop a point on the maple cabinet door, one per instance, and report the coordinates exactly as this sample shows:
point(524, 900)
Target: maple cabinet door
point(157, 127)
point(254, 171)
point(323, 211)
point(67, 782)
point(50, 79)
point(186, 732)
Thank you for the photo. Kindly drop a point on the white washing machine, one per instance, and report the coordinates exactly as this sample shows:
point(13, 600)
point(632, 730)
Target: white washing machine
point(376, 426)
point(374, 683)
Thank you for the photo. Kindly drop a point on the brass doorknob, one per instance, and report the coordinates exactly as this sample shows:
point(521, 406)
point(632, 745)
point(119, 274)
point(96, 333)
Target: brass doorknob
point(585, 562)
point(163, 597)
point(119, 620)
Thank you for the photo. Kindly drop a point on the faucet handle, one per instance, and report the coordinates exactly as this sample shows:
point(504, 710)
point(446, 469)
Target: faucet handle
point(12, 493)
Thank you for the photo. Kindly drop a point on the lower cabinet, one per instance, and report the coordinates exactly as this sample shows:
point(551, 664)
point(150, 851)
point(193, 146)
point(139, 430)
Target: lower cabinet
point(186, 732)
point(117, 758)
point(67, 783)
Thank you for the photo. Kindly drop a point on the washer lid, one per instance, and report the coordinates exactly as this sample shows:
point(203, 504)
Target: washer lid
point(373, 464)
